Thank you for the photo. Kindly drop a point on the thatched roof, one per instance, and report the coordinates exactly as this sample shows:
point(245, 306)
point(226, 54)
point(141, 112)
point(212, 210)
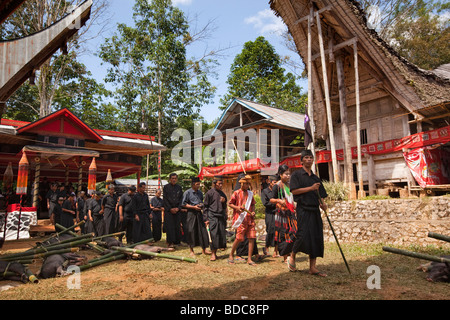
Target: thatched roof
point(380, 66)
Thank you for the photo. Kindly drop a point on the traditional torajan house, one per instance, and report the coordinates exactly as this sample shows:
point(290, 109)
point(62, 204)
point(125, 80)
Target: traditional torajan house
point(368, 103)
point(61, 148)
point(264, 136)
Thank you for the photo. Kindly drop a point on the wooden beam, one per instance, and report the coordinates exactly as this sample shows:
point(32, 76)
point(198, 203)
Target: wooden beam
point(327, 102)
point(361, 192)
point(313, 14)
point(337, 47)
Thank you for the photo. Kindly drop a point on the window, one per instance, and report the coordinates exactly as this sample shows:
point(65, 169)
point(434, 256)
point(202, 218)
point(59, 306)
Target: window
point(364, 136)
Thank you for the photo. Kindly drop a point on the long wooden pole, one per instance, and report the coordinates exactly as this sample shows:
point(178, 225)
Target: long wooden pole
point(310, 88)
point(361, 192)
point(37, 174)
point(327, 101)
point(348, 178)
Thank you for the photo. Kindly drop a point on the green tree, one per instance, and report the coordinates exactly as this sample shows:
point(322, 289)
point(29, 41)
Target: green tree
point(256, 74)
point(31, 17)
point(418, 30)
point(156, 82)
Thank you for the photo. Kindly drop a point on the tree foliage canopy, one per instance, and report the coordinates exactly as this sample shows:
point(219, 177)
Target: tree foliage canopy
point(256, 74)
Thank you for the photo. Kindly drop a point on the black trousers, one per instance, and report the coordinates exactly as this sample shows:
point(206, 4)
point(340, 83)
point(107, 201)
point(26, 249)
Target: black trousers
point(127, 226)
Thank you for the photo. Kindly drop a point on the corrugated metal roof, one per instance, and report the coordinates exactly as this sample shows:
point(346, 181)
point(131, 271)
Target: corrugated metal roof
point(277, 115)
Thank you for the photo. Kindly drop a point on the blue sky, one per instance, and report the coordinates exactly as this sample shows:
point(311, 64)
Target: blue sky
point(236, 22)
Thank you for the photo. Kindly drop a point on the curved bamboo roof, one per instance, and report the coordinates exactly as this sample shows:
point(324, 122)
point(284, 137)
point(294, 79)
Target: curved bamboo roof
point(382, 71)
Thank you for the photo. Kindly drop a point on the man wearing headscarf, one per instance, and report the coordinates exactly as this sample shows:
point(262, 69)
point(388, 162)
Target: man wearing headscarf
point(243, 205)
point(306, 188)
point(195, 229)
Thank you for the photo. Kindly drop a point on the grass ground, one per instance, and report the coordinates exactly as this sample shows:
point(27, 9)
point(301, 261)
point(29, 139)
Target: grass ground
point(164, 279)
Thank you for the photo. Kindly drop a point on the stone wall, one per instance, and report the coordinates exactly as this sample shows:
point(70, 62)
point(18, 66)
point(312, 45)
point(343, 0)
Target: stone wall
point(393, 221)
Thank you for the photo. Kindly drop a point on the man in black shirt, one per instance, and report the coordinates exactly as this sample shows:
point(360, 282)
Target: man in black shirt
point(305, 186)
point(109, 202)
point(52, 201)
point(95, 214)
point(215, 215)
point(127, 214)
point(266, 195)
point(172, 197)
point(141, 227)
point(157, 207)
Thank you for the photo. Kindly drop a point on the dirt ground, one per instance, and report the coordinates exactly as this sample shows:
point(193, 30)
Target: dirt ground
point(166, 279)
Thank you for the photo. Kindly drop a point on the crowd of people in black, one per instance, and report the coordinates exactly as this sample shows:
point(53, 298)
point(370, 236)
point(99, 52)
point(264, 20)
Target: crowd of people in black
point(191, 218)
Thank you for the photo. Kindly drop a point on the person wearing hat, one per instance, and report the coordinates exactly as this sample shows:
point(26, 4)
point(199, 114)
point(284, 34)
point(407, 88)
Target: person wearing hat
point(306, 188)
point(266, 195)
point(126, 214)
point(243, 205)
point(195, 229)
point(68, 211)
point(215, 215)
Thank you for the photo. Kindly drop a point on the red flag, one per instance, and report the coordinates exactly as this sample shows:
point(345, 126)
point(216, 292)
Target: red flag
point(92, 178)
point(22, 176)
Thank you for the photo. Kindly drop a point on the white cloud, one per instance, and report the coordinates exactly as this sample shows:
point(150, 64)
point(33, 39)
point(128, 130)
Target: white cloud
point(266, 22)
point(181, 2)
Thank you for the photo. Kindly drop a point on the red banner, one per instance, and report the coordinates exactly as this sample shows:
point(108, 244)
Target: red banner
point(429, 167)
point(418, 140)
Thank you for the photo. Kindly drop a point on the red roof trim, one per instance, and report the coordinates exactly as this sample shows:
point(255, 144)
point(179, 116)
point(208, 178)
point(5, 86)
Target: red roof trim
point(66, 112)
point(14, 123)
point(20, 124)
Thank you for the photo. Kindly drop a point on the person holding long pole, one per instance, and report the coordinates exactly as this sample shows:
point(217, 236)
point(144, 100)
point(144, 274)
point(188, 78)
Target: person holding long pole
point(309, 237)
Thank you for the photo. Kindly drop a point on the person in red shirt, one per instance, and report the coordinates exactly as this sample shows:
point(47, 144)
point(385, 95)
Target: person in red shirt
point(243, 205)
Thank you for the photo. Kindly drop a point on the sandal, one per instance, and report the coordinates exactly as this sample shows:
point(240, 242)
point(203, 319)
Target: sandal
point(318, 273)
point(230, 261)
point(251, 264)
point(291, 267)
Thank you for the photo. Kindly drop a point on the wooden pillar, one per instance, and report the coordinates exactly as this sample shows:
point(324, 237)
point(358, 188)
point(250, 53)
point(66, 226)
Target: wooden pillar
point(361, 192)
point(327, 102)
point(371, 173)
point(310, 88)
point(348, 165)
point(80, 174)
point(37, 174)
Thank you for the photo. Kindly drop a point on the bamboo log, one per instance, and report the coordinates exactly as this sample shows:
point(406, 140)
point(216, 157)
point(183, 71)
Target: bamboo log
point(113, 253)
point(92, 245)
point(153, 254)
point(116, 234)
point(439, 236)
point(63, 231)
point(44, 249)
point(84, 236)
point(416, 255)
point(31, 277)
point(43, 254)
